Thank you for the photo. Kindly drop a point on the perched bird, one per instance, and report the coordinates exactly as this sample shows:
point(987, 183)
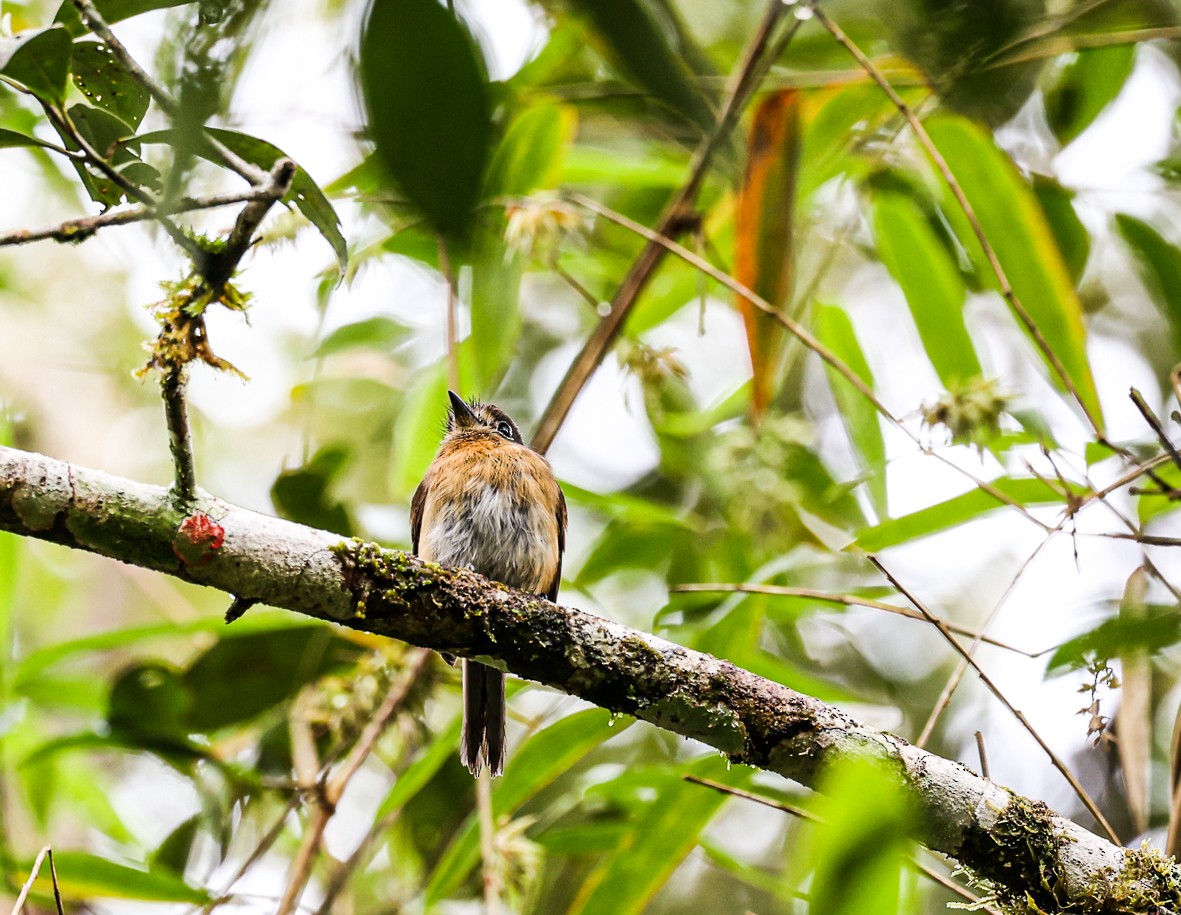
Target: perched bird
point(491, 504)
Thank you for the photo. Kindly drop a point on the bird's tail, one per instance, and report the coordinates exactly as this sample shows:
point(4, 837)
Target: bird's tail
point(482, 743)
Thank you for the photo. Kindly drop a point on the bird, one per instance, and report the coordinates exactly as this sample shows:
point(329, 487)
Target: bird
point(491, 504)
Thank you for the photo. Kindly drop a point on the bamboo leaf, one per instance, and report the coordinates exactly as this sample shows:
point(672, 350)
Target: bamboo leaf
point(931, 283)
point(1015, 225)
point(952, 512)
point(763, 233)
point(835, 330)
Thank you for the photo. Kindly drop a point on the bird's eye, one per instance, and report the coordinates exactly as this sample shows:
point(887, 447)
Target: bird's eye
point(505, 429)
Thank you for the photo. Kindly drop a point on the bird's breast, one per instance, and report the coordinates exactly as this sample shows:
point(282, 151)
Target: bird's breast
point(494, 515)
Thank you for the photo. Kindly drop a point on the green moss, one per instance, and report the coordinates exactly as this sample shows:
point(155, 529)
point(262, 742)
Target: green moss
point(1025, 833)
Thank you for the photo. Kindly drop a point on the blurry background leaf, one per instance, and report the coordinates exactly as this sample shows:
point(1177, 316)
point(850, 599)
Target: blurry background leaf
point(429, 109)
point(1085, 86)
point(763, 224)
point(39, 60)
point(834, 329)
point(304, 494)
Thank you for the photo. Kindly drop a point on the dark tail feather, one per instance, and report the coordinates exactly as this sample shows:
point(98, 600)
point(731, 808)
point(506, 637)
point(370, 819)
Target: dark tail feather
point(482, 742)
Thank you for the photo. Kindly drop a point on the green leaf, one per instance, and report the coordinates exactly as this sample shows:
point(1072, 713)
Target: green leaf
point(83, 877)
point(147, 704)
point(544, 757)
point(240, 678)
point(1013, 222)
point(109, 85)
point(32, 666)
point(858, 850)
point(111, 10)
point(1159, 262)
point(173, 853)
point(429, 108)
point(304, 192)
point(649, 168)
point(923, 267)
point(627, 881)
point(585, 838)
point(1085, 86)
point(304, 494)
point(440, 749)
point(418, 429)
point(39, 60)
point(531, 154)
point(1117, 636)
point(11, 138)
point(955, 511)
point(1073, 239)
point(835, 330)
point(496, 314)
point(639, 37)
point(379, 333)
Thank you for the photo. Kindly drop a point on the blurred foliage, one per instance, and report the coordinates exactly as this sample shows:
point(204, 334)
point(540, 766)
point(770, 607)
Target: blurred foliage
point(156, 749)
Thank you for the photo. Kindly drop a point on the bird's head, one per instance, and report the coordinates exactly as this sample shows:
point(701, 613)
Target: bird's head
point(479, 420)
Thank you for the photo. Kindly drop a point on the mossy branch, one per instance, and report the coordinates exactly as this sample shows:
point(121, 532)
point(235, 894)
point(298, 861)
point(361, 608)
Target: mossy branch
point(1036, 859)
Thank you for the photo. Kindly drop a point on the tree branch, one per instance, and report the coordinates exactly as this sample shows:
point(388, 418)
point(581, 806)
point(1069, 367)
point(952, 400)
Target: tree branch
point(1019, 844)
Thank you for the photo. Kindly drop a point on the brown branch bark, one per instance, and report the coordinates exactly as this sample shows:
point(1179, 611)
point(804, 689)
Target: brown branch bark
point(1022, 846)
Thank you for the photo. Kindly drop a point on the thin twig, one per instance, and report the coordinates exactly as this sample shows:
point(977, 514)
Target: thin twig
point(745, 79)
point(332, 789)
point(1057, 46)
point(957, 675)
point(180, 443)
point(1079, 790)
point(76, 230)
point(847, 600)
point(95, 22)
point(969, 212)
point(808, 815)
point(1151, 419)
point(490, 871)
point(46, 852)
point(217, 269)
point(982, 753)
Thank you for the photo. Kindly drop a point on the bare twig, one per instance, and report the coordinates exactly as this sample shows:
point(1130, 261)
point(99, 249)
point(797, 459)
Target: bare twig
point(180, 443)
point(957, 675)
point(76, 230)
point(754, 64)
point(1151, 419)
point(808, 815)
point(848, 600)
point(490, 871)
point(46, 852)
point(331, 789)
point(1079, 790)
point(957, 191)
point(217, 269)
point(982, 753)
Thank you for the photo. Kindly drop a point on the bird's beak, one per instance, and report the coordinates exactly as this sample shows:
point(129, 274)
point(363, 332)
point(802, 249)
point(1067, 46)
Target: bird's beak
point(461, 414)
